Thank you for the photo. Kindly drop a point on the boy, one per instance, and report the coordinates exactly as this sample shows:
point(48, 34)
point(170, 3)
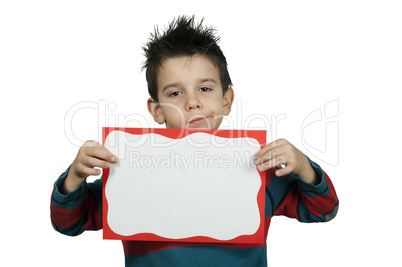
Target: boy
point(190, 87)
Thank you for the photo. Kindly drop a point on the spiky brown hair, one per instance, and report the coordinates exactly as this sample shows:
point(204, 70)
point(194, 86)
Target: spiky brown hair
point(183, 37)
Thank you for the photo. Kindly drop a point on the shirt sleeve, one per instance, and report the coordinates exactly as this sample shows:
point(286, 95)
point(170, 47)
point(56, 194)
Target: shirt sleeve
point(292, 197)
point(77, 211)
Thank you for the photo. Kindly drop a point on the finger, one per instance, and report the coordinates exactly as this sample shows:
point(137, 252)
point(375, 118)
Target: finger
point(272, 154)
point(102, 153)
point(274, 162)
point(85, 171)
point(263, 151)
point(93, 148)
point(95, 162)
point(288, 169)
point(91, 143)
point(92, 171)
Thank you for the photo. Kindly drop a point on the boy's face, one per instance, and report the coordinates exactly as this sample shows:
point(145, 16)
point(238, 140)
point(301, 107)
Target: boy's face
point(190, 94)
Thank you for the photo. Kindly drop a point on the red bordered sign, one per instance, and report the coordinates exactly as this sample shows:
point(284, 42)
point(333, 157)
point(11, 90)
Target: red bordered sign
point(184, 185)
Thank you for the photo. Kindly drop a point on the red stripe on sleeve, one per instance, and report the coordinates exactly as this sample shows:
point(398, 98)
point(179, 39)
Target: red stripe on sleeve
point(318, 205)
point(288, 206)
point(66, 218)
point(321, 204)
point(94, 220)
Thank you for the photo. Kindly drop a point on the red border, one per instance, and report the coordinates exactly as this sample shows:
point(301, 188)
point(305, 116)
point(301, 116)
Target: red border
point(256, 238)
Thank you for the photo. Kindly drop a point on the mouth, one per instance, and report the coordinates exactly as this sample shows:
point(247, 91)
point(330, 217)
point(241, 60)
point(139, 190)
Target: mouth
point(197, 120)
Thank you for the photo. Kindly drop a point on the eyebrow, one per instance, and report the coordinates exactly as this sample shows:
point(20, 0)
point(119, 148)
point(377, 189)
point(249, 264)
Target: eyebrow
point(177, 84)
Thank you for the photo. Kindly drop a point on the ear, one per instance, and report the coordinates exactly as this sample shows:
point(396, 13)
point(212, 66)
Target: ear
point(155, 110)
point(228, 98)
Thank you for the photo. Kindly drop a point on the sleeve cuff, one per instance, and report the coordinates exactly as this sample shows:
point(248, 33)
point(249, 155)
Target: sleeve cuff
point(77, 194)
point(320, 188)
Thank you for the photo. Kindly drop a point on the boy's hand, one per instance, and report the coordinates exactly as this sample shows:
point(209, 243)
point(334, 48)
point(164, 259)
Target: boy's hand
point(90, 155)
point(281, 151)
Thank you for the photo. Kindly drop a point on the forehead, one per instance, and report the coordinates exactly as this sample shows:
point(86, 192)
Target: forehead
point(187, 69)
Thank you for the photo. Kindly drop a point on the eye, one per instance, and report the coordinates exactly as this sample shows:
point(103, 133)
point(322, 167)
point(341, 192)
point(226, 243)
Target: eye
point(205, 89)
point(175, 93)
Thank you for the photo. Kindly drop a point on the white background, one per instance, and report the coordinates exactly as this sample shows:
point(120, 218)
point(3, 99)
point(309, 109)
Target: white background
point(286, 58)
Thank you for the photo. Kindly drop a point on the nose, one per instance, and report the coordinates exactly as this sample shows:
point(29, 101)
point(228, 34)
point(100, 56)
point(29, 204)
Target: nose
point(192, 102)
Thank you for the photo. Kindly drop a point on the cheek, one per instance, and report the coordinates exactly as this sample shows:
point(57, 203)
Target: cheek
point(216, 105)
point(173, 114)
point(172, 109)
